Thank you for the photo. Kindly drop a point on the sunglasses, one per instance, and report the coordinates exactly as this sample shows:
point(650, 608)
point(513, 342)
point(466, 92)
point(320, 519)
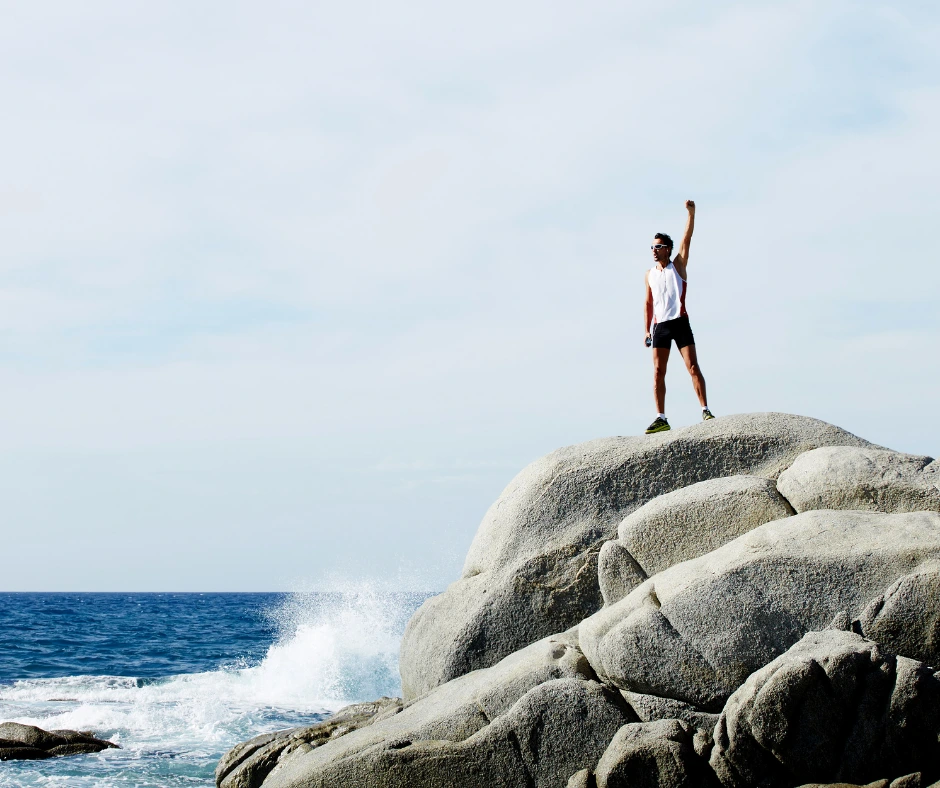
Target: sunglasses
point(659, 246)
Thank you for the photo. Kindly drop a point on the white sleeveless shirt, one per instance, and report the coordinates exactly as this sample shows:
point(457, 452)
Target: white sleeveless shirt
point(668, 290)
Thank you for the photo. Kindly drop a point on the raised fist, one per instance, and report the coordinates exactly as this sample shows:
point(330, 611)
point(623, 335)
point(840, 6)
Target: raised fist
point(690, 206)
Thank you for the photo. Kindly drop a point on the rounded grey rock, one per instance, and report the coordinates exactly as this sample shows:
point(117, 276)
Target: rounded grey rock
point(532, 567)
point(653, 755)
point(685, 524)
point(906, 618)
point(695, 631)
point(833, 708)
point(852, 477)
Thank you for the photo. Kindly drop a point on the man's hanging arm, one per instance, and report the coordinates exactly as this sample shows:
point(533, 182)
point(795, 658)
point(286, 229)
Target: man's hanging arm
point(647, 307)
point(681, 260)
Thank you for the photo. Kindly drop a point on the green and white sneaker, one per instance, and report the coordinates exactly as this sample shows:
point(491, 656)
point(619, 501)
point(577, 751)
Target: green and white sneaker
point(706, 414)
point(660, 425)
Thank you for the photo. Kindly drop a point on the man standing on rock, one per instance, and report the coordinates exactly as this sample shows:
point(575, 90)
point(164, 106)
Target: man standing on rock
point(665, 318)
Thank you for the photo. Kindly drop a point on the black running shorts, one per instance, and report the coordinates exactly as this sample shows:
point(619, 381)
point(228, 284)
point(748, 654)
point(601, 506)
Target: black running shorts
point(678, 329)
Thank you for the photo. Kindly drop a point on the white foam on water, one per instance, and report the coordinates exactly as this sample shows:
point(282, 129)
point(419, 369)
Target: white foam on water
point(331, 650)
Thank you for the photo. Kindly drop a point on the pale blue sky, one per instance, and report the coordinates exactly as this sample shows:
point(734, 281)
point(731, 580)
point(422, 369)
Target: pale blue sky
point(289, 292)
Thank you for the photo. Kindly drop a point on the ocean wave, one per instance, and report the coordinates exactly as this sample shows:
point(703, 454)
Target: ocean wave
point(331, 650)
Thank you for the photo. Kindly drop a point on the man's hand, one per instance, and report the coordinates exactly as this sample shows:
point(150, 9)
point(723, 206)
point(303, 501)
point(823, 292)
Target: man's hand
point(648, 339)
point(690, 206)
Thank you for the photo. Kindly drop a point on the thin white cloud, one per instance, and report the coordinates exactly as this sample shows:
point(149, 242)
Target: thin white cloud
point(415, 231)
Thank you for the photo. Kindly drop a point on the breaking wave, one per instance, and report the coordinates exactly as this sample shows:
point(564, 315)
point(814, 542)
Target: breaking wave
point(331, 649)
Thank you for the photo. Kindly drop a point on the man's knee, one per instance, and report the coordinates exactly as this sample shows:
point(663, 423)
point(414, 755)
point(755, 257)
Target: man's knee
point(694, 371)
point(659, 372)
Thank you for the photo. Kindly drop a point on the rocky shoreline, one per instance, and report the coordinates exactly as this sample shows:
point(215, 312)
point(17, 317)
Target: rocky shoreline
point(752, 601)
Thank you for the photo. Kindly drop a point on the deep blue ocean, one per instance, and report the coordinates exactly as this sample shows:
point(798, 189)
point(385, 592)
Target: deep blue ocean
point(177, 679)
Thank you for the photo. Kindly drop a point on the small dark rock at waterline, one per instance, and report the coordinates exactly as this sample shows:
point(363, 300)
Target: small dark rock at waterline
point(29, 743)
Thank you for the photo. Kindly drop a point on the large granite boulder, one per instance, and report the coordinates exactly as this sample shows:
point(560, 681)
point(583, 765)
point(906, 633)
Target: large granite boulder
point(699, 664)
point(653, 755)
point(834, 708)
point(905, 619)
point(685, 524)
point(697, 630)
point(532, 567)
point(27, 742)
point(554, 730)
point(853, 477)
point(449, 715)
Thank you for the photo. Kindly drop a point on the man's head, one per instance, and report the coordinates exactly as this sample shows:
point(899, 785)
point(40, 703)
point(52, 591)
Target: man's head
point(662, 248)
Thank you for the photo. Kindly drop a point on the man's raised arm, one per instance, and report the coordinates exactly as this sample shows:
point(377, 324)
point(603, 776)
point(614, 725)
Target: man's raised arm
point(681, 260)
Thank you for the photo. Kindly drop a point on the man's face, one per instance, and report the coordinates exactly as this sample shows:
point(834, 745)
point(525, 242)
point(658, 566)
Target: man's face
point(660, 251)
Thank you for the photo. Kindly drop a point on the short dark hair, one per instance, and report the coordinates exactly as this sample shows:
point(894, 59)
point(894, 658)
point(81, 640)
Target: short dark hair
point(664, 239)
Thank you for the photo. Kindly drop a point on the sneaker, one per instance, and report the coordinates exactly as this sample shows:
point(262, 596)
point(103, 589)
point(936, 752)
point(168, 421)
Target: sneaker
point(706, 415)
point(660, 425)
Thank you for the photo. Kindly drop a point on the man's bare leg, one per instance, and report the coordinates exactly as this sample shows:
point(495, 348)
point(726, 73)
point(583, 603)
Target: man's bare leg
point(660, 359)
point(698, 380)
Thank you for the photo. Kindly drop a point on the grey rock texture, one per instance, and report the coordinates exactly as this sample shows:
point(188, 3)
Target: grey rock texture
point(697, 630)
point(685, 524)
point(247, 764)
point(650, 708)
point(27, 742)
point(554, 730)
point(618, 572)
point(451, 713)
point(907, 781)
point(563, 726)
point(861, 478)
point(653, 755)
point(834, 708)
point(582, 779)
point(905, 619)
point(697, 519)
point(532, 567)
point(932, 474)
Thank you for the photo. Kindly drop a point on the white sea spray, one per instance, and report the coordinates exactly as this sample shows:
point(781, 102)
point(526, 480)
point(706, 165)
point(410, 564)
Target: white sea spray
point(331, 649)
